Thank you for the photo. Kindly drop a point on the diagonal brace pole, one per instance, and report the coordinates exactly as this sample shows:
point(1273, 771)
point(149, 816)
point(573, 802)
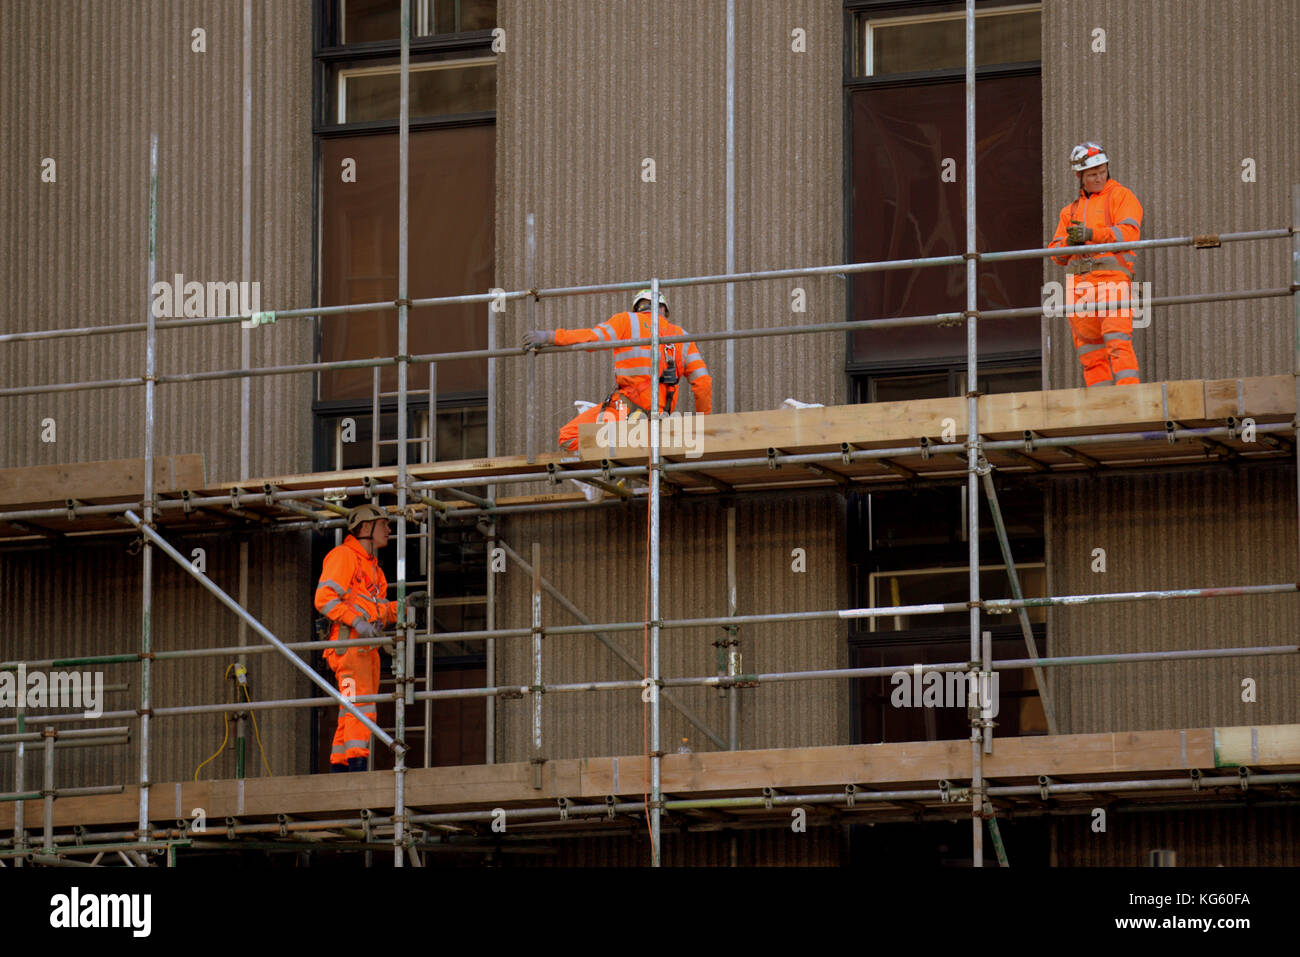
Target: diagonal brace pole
point(1022, 613)
point(613, 646)
point(262, 630)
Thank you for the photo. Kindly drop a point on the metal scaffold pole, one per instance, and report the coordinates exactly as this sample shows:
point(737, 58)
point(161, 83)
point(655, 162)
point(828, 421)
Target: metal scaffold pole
point(656, 748)
point(973, 446)
point(150, 388)
point(1295, 283)
point(403, 309)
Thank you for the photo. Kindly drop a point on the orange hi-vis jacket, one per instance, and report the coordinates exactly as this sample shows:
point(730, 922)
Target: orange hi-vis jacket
point(1114, 215)
point(632, 363)
point(352, 586)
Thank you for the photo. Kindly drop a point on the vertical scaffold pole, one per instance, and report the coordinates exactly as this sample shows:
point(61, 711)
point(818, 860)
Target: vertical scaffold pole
point(150, 384)
point(530, 281)
point(536, 605)
point(403, 294)
point(1295, 279)
point(656, 750)
point(47, 790)
point(973, 446)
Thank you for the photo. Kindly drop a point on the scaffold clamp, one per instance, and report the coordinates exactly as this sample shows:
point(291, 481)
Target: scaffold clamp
point(551, 475)
point(925, 447)
point(1243, 775)
point(564, 808)
point(1195, 775)
point(1169, 431)
point(772, 463)
point(850, 795)
point(945, 791)
point(611, 802)
point(1029, 440)
point(846, 453)
point(768, 794)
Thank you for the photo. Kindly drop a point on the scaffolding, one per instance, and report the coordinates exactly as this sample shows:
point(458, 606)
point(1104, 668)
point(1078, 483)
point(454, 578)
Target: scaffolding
point(297, 508)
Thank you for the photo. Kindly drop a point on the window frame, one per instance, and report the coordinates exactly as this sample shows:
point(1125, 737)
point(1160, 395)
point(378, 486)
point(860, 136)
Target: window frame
point(854, 11)
point(475, 44)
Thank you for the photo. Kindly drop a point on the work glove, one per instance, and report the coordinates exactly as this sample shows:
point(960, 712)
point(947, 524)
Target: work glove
point(363, 629)
point(1078, 234)
point(536, 338)
point(417, 599)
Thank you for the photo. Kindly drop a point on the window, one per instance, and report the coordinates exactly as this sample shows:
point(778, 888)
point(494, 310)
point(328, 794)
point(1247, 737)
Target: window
point(937, 41)
point(368, 21)
point(909, 548)
point(906, 111)
point(944, 383)
point(438, 88)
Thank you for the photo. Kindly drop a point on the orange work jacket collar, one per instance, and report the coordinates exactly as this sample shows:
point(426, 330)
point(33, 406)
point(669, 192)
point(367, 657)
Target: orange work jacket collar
point(1109, 185)
point(351, 541)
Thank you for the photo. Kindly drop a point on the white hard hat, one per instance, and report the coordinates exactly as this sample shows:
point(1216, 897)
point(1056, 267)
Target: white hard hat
point(1086, 156)
point(644, 296)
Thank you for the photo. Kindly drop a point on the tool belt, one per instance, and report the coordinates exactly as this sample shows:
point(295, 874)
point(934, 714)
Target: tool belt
point(1084, 264)
point(633, 409)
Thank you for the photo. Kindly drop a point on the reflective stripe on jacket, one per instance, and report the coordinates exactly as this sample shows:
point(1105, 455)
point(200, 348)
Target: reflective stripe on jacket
point(1114, 215)
point(632, 364)
point(352, 586)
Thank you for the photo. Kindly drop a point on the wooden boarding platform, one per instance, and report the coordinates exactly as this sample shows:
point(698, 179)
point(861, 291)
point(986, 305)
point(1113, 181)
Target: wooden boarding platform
point(1139, 414)
point(1076, 758)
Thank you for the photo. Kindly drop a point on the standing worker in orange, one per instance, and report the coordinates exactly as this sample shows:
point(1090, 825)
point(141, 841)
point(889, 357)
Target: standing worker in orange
point(353, 595)
point(1103, 212)
point(632, 396)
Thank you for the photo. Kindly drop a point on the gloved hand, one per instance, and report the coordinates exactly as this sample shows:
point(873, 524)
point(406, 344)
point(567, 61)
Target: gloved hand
point(1078, 234)
point(536, 338)
point(418, 599)
point(363, 629)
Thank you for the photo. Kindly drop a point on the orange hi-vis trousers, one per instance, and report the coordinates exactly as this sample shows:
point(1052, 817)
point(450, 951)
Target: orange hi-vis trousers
point(614, 410)
point(357, 673)
point(1103, 334)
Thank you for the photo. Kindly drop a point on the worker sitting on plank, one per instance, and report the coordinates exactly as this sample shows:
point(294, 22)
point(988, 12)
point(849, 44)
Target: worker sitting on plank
point(1103, 212)
point(353, 595)
point(632, 396)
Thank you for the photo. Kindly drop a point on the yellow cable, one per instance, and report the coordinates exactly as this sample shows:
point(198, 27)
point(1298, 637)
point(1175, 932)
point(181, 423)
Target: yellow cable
point(225, 722)
point(258, 735)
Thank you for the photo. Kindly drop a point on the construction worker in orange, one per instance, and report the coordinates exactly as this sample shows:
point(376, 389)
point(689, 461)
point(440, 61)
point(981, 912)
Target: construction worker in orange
point(353, 595)
point(1103, 212)
point(632, 396)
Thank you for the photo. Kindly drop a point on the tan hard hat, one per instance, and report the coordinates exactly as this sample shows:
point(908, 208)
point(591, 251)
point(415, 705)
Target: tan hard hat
point(365, 513)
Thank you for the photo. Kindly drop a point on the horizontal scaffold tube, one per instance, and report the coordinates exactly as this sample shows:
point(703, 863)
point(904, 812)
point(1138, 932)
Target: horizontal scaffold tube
point(306, 312)
point(636, 471)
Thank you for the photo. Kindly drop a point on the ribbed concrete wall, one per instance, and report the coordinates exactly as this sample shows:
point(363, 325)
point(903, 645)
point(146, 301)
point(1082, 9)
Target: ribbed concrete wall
point(86, 83)
point(599, 561)
point(1179, 107)
point(580, 108)
point(1236, 837)
point(87, 610)
point(1165, 532)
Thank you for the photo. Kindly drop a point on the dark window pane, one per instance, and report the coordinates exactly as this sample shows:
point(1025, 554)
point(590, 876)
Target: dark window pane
point(366, 21)
point(903, 209)
point(374, 92)
point(886, 716)
point(451, 253)
point(913, 47)
point(900, 388)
